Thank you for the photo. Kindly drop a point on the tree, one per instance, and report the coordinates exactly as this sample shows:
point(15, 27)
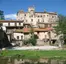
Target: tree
point(1, 15)
point(33, 39)
point(61, 26)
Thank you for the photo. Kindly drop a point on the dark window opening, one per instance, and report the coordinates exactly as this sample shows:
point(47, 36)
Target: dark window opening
point(31, 20)
point(17, 37)
point(25, 14)
point(52, 16)
point(21, 37)
point(19, 23)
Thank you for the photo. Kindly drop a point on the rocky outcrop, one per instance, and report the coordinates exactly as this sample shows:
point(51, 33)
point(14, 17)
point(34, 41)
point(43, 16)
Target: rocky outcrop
point(4, 42)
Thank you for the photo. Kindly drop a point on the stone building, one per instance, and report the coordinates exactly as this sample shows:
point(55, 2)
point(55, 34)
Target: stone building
point(33, 17)
point(41, 22)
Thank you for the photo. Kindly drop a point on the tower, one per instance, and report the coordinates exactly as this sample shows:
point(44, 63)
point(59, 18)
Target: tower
point(31, 11)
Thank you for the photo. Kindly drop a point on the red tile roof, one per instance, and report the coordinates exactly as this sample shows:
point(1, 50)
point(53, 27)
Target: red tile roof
point(27, 30)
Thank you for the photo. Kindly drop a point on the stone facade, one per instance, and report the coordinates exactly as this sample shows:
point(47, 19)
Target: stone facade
point(33, 17)
point(41, 22)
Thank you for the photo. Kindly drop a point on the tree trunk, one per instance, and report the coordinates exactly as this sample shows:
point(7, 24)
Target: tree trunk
point(49, 34)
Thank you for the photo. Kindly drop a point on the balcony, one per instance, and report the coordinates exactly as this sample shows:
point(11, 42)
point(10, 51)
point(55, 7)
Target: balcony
point(12, 24)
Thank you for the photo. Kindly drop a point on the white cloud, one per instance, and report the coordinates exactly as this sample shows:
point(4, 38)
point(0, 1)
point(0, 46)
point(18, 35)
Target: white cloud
point(10, 16)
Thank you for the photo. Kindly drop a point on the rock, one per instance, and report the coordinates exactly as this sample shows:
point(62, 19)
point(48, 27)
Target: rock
point(3, 48)
point(4, 42)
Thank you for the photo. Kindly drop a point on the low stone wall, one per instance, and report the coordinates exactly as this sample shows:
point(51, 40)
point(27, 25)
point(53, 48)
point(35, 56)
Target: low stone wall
point(39, 42)
point(42, 42)
point(18, 42)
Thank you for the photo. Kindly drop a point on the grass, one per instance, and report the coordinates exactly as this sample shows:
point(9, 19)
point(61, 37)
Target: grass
point(34, 54)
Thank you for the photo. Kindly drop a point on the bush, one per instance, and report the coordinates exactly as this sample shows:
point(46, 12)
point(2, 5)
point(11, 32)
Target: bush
point(32, 40)
point(35, 36)
point(26, 42)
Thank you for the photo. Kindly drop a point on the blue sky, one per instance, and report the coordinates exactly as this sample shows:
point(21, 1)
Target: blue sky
point(10, 7)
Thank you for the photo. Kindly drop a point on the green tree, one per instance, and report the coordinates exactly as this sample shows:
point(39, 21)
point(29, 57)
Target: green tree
point(1, 15)
point(33, 39)
point(61, 26)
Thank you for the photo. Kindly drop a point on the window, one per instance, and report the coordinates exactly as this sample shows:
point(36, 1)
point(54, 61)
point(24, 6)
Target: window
point(41, 15)
point(19, 23)
point(52, 16)
point(17, 37)
point(47, 15)
point(38, 16)
point(21, 37)
point(31, 20)
point(25, 15)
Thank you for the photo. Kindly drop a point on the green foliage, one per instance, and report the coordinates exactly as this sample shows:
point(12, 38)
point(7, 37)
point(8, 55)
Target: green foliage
point(61, 26)
point(33, 39)
point(35, 54)
point(1, 15)
point(26, 42)
point(35, 36)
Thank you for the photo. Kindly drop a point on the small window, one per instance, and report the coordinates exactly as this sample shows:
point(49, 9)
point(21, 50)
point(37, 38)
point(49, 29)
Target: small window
point(17, 37)
point(52, 16)
point(31, 20)
point(19, 23)
point(47, 15)
point(38, 16)
point(21, 37)
point(41, 15)
point(25, 14)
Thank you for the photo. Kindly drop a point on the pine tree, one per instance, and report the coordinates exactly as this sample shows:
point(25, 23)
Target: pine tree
point(61, 26)
point(1, 15)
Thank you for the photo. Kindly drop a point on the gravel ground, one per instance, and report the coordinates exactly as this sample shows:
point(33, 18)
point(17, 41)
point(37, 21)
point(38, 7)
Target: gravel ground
point(35, 48)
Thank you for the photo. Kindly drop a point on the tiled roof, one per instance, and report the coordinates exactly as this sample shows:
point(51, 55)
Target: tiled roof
point(27, 30)
point(2, 21)
point(54, 13)
point(42, 29)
